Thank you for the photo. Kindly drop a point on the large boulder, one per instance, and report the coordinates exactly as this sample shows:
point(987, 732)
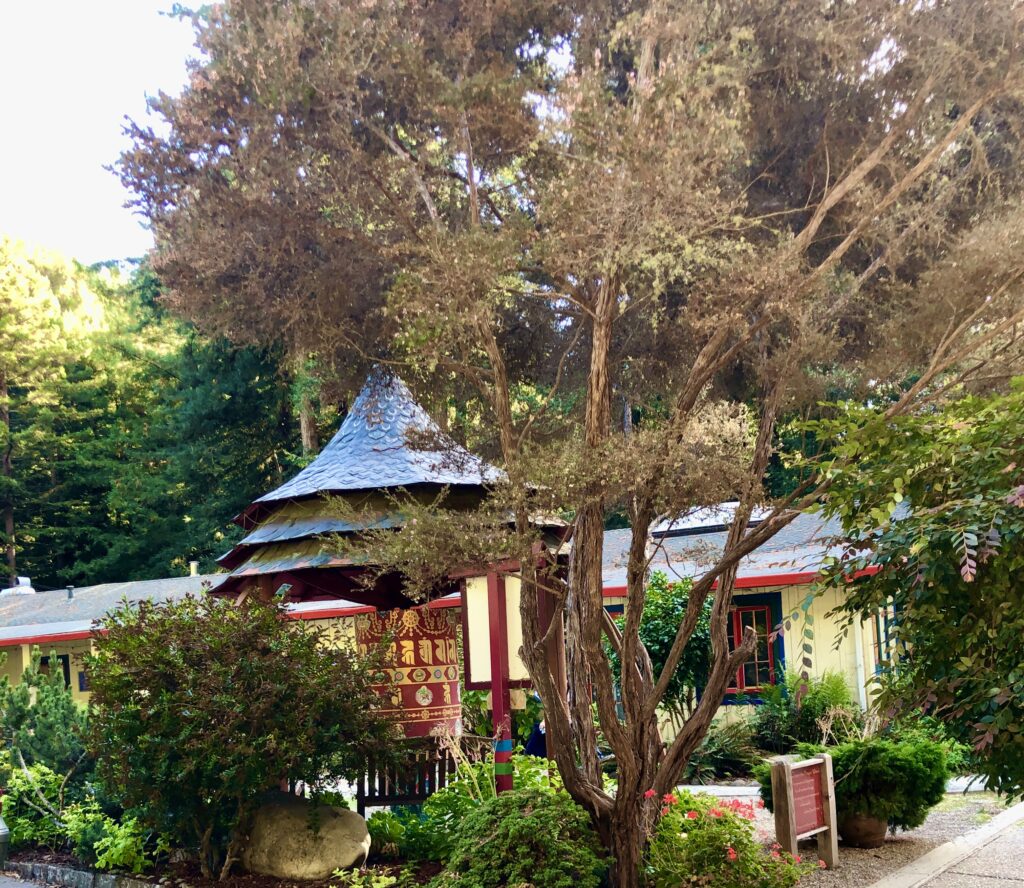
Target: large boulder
point(282, 844)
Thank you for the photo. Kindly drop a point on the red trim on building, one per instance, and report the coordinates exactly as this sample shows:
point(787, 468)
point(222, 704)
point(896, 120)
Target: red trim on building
point(77, 635)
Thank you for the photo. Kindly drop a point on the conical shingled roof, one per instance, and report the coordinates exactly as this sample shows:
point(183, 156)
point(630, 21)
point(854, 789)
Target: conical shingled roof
point(372, 449)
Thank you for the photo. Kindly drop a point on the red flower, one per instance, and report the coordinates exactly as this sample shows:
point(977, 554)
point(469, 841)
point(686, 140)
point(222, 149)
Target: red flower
point(669, 799)
point(822, 864)
point(691, 815)
point(796, 858)
point(716, 812)
point(664, 811)
point(650, 794)
point(730, 853)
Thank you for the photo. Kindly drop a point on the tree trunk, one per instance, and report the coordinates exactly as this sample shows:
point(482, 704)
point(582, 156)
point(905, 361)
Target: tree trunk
point(624, 832)
point(625, 840)
point(307, 428)
point(7, 471)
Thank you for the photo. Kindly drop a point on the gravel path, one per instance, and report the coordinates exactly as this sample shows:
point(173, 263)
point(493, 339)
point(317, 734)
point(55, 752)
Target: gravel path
point(952, 817)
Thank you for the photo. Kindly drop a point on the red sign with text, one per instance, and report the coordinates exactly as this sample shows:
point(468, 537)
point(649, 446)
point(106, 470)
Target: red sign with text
point(808, 805)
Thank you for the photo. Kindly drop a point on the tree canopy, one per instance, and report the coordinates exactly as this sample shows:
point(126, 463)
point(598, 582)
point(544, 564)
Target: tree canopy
point(627, 238)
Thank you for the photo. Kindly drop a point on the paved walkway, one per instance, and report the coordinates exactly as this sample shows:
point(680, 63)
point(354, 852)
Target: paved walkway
point(991, 856)
point(747, 791)
point(8, 882)
point(999, 864)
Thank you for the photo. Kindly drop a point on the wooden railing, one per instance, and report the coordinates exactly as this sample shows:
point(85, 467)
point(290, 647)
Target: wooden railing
point(427, 768)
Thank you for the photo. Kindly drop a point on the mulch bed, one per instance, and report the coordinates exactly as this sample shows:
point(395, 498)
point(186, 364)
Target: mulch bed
point(53, 858)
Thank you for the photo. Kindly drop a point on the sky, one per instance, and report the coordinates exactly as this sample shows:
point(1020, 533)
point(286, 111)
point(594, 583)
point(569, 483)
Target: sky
point(70, 70)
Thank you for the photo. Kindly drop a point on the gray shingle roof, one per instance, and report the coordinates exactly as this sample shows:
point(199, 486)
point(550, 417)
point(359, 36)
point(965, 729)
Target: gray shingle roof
point(372, 449)
point(53, 612)
point(799, 548)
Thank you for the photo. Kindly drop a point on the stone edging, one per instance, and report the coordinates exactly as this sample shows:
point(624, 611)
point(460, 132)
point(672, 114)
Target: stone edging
point(938, 860)
point(68, 877)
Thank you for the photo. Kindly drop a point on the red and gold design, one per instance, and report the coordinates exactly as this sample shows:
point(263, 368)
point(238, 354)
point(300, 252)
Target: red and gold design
point(424, 696)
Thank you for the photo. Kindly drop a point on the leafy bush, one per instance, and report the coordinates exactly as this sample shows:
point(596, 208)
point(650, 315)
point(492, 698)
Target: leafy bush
point(664, 608)
point(727, 750)
point(202, 705)
point(790, 712)
point(960, 758)
point(126, 846)
point(32, 808)
point(895, 781)
point(701, 840)
point(528, 836)
point(365, 878)
point(429, 833)
point(386, 833)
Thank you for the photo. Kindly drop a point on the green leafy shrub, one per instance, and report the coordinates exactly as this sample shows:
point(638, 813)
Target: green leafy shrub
point(528, 836)
point(32, 807)
point(201, 705)
point(895, 781)
point(429, 833)
point(790, 713)
point(960, 758)
point(126, 846)
point(664, 608)
point(701, 840)
point(727, 750)
point(387, 831)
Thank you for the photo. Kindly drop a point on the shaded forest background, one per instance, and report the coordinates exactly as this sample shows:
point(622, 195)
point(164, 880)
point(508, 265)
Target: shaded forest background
point(129, 440)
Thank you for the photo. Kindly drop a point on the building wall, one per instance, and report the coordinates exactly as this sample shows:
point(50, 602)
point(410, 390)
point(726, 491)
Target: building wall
point(18, 658)
point(831, 648)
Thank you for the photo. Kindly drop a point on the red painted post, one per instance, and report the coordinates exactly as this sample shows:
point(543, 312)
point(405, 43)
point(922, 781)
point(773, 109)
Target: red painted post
point(501, 704)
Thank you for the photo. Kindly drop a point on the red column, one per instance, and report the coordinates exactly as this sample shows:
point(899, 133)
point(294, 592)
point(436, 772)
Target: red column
point(501, 704)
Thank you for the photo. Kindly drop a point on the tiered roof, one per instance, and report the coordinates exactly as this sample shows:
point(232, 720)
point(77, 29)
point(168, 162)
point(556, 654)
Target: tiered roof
point(386, 442)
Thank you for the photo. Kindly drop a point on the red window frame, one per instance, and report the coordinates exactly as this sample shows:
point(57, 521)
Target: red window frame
point(739, 685)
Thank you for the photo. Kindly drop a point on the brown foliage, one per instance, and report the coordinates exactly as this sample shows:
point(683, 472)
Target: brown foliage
point(552, 212)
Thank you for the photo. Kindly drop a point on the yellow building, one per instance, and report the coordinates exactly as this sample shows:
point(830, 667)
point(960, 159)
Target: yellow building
point(774, 584)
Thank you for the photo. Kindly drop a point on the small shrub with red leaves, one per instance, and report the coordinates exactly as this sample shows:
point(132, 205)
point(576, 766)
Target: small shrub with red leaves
point(702, 840)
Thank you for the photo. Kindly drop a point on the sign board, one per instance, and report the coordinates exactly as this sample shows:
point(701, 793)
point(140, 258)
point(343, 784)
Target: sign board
point(803, 795)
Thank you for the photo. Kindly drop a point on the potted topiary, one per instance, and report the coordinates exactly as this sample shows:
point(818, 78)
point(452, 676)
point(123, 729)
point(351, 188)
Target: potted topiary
point(881, 785)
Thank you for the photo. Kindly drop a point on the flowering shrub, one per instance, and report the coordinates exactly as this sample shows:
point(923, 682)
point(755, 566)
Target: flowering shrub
point(701, 840)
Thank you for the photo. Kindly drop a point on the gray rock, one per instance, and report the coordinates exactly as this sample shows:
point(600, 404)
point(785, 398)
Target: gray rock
point(281, 843)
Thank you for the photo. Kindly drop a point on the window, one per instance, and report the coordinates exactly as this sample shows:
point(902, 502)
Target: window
point(760, 669)
point(63, 663)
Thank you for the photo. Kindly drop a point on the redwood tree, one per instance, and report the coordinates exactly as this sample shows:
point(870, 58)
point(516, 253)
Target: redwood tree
point(619, 239)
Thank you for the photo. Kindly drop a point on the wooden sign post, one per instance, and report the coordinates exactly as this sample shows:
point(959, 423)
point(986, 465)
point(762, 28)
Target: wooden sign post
point(803, 795)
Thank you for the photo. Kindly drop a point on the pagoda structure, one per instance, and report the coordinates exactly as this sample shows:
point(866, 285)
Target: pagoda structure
point(295, 549)
point(378, 450)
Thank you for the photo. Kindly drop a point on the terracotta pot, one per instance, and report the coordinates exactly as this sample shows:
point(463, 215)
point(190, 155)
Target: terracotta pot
point(862, 831)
